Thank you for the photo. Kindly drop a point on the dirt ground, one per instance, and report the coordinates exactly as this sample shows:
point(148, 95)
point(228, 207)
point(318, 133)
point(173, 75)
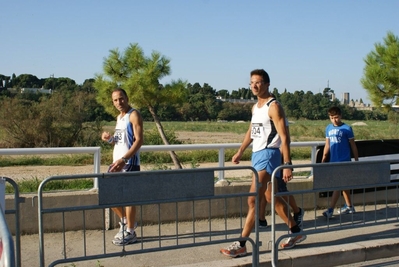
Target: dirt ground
point(209, 137)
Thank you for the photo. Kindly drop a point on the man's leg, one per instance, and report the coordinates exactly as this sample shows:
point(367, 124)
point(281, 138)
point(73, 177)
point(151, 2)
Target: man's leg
point(330, 211)
point(280, 208)
point(126, 234)
point(119, 212)
point(347, 197)
point(262, 212)
point(347, 208)
point(334, 199)
point(238, 248)
point(130, 216)
point(250, 219)
point(285, 215)
point(290, 200)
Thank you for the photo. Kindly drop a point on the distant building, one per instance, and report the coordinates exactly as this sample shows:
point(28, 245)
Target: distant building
point(241, 101)
point(36, 90)
point(358, 105)
point(345, 98)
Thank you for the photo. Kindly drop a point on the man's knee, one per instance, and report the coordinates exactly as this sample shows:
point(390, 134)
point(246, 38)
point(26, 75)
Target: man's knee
point(251, 202)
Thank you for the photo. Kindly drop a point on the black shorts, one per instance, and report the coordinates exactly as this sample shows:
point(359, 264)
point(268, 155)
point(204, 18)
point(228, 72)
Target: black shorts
point(129, 168)
point(282, 186)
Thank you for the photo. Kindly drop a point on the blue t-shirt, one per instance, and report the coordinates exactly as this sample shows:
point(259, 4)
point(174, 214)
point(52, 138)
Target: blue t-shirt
point(339, 136)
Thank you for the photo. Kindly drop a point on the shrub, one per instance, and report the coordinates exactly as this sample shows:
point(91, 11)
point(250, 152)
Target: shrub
point(55, 121)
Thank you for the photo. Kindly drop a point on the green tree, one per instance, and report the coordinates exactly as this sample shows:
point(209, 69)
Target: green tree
point(88, 86)
point(26, 81)
point(223, 93)
point(381, 73)
point(64, 84)
point(140, 76)
point(202, 103)
point(235, 111)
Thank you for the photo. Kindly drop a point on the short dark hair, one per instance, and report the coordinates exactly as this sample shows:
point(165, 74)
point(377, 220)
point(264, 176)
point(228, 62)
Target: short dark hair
point(334, 111)
point(263, 73)
point(120, 90)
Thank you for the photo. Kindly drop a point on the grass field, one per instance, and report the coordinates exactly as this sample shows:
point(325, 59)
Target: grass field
point(300, 131)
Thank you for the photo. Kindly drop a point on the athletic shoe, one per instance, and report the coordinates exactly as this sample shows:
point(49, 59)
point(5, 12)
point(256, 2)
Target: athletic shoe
point(292, 241)
point(346, 210)
point(328, 213)
point(128, 238)
point(122, 229)
point(262, 224)
point(298, 217)
point(234, 250)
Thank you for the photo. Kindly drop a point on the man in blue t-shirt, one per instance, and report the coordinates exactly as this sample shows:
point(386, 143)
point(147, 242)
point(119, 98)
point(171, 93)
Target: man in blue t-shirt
point(340, 140)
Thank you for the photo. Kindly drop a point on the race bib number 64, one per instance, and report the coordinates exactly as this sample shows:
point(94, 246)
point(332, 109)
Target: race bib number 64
point(257, 130)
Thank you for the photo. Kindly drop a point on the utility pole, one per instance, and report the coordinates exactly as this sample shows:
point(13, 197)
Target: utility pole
point(52, 81)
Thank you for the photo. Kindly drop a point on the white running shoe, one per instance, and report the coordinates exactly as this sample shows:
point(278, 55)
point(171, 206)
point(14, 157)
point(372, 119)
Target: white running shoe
point(128, 238)
point(122, 229)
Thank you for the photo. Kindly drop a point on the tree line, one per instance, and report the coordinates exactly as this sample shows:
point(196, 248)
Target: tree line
point(72, 113)
point(201, 102)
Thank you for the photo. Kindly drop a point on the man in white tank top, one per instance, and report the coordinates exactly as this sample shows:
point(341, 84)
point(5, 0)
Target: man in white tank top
point(127, 141)
point(268, 133)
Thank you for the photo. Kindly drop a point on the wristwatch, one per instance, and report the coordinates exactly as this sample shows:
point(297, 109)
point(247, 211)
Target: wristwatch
point(289, 163)
point(125, 160)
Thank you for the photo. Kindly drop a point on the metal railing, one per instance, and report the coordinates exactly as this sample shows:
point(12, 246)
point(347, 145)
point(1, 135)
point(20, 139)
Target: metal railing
point(220, 170)
point(96, 151)
point(153, 243)
point(7, 258)
point(338, 177)
point(7, 243)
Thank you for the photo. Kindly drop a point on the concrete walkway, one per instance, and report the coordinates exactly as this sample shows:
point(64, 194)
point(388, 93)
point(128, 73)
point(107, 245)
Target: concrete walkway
point(329, 248)
point(366, 241)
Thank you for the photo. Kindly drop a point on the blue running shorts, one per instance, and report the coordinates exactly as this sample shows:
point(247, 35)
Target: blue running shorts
point(269, 159)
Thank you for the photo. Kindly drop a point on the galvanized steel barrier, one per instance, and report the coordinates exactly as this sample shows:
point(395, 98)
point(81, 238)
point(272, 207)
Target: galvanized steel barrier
point(7, 258)
point(343, 176)
point(11, 254)
point(151, 190)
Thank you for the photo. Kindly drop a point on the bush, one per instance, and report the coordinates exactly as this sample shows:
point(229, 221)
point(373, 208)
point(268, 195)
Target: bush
point(53, 121)
point(152, 137)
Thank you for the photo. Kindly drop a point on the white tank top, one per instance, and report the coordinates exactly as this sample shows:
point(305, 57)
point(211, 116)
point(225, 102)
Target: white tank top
point(263, 131)
point(124, 138)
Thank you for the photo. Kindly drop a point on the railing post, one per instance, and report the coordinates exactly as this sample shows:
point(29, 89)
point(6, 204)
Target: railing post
point(97, 165)
point(221, 164)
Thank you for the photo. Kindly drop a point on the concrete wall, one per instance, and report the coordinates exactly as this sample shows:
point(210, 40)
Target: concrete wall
point(95, 218)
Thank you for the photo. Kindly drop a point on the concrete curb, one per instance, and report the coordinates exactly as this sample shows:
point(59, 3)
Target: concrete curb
point(329, 256)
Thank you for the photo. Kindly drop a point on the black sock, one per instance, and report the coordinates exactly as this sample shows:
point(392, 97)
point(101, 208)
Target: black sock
point(295, 229)
point(299, 212)
point(242, 243)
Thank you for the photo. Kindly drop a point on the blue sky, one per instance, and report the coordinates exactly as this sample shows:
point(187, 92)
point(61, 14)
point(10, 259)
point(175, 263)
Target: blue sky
point(303, 45)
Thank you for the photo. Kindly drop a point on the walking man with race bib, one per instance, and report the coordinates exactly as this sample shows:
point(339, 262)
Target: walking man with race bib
point(127, 141)
point(268, 133)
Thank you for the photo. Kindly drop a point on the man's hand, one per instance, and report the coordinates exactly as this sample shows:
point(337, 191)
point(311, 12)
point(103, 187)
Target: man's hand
point(117, 166)
point(236, 158)
point(287, 175)
point(105, 136)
